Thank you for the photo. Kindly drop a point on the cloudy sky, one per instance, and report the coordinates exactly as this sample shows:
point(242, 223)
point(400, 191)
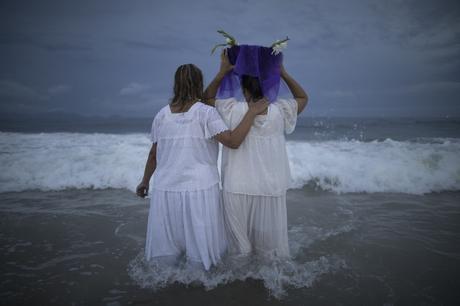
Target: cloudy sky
point(354, 58)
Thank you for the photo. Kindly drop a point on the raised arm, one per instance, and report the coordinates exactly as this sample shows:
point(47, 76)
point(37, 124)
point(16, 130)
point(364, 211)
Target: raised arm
point(209, 95)
point(142, 189)
point(297, 91)
point(233, 139)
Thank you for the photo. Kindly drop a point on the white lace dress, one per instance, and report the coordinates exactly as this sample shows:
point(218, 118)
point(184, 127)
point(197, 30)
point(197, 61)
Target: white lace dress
point(255, 178)
point(185, 215)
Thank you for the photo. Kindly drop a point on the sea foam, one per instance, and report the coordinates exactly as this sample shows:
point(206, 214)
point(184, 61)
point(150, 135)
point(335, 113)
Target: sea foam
point(56, 161)
point(377, 166)
point(277, 275)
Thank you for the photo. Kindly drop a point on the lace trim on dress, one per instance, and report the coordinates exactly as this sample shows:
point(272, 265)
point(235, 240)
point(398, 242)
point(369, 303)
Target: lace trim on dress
point(215, 127)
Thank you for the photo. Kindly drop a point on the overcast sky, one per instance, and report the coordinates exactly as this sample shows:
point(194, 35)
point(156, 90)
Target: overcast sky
point(354, 58)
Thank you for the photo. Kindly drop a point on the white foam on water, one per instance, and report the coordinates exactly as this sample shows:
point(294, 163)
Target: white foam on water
point(277, 275)
point(60, 161)
point(57, 161)
point(377, 166)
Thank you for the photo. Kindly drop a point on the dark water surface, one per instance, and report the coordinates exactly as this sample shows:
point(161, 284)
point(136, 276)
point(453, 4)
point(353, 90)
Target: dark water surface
point(76, 247)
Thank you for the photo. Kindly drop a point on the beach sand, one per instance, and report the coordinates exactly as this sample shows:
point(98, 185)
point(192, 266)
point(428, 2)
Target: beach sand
point(79, 247)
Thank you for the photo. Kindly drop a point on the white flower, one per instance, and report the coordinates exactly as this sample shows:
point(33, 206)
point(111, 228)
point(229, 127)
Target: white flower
point(278, 47)
point(275, 50)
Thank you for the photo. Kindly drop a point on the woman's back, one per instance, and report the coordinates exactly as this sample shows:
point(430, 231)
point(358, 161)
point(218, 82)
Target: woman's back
point(186, 152)
point(260, 166)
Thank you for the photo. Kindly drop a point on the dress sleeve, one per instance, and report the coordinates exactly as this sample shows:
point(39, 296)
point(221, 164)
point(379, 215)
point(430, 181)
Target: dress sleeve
point(213, 123)
point(154, 130)
point(289, 111)
point(224, 107)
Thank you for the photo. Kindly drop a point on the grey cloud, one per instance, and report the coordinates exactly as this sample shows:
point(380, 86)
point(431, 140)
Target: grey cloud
point(351, 56)
point(415, 90)
point(429, 87)
point(337, 93)
point(170, 42)
point(15, 90)
point(41, 43)
point(143, 44)
point(64, 46)
point(134, 89)
point(59, 89)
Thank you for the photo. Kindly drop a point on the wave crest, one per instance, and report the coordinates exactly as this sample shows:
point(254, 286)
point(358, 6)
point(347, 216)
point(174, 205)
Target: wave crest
point(59, 161)
point(377, 166)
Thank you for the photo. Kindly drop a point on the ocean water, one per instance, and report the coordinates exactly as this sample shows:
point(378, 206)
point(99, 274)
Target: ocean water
point(373, 213)
point(354, 155)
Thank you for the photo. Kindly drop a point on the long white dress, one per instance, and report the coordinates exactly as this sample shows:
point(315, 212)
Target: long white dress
point(185, 215)
point(255, 178)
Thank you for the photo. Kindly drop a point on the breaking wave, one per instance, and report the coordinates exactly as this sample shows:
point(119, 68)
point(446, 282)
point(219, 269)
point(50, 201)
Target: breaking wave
point(56, 161)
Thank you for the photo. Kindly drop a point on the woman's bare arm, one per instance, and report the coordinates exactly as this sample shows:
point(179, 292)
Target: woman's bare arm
point(297, 91)
point(142, 189)
point(209, 95)
point(233, 139)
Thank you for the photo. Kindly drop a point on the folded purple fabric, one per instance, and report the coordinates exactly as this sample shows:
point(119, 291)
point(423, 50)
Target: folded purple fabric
point(255, 61)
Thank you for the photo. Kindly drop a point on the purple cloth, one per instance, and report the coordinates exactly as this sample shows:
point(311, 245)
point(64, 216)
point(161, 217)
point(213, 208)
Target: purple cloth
point(254, 61)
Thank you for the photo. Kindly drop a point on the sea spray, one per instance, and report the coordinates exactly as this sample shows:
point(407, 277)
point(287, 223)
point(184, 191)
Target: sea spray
point(412, 167)
point(57, 161)
point(277, 275)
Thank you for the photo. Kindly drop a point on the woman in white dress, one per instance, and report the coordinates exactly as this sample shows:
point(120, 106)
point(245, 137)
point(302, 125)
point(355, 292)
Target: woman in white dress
point(185, 215)
point(256, 176)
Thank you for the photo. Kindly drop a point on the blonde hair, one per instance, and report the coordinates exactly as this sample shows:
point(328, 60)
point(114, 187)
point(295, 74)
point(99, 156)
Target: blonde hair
point(188, 85)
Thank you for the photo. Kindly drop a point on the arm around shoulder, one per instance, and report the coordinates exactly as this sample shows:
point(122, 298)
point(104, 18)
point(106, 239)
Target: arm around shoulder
point(233, 139)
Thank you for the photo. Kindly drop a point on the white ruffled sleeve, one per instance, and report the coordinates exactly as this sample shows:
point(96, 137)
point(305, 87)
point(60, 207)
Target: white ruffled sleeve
point(155, 127)
point(153, 131)
point(213, 123)
point(224, 107)
point(289, 110)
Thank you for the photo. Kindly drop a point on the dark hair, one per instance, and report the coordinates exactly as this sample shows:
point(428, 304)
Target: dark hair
point(252, 85)
point(188, 85)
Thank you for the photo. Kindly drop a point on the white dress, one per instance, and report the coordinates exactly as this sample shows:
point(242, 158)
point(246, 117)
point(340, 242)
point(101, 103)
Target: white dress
point(185, 215)
point(255, 178)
